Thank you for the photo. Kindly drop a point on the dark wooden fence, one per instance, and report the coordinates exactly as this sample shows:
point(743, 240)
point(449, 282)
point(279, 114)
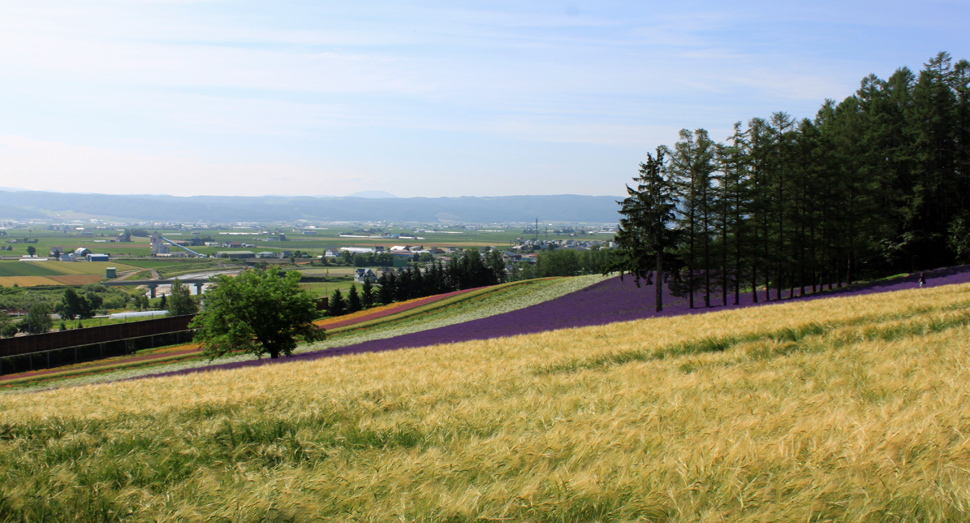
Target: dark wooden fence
point(92, 335)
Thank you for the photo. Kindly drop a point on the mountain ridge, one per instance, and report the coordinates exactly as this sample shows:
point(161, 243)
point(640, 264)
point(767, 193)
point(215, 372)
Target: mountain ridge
point(20, 205)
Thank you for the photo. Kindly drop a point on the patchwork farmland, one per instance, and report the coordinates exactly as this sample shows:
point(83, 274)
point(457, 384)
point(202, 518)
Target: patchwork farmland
point(28, 274)
point(847, 408)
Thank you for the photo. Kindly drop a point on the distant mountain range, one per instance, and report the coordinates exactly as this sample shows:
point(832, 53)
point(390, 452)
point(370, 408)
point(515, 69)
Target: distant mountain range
point(22, 205)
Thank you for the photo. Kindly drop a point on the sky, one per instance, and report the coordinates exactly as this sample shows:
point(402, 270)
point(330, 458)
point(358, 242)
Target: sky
point(431, 99)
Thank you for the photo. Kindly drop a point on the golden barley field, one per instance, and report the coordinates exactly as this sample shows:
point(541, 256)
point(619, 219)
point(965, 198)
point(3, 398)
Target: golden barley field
point(26, 281)
point(847, 409)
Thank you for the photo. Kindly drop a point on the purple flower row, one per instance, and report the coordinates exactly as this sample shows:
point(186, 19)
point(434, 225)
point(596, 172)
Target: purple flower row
point(606, 302)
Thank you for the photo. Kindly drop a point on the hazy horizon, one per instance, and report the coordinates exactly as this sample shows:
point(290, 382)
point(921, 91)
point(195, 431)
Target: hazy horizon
point(363, 194)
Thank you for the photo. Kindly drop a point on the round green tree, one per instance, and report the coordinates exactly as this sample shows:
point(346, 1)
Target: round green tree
point(38, 319)
point(181, 301)
point(262, 312)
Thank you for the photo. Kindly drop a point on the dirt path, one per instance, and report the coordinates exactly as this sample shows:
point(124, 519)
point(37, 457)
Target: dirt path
point(124, 277)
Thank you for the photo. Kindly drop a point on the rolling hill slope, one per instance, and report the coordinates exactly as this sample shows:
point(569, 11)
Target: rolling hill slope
point(822, 410)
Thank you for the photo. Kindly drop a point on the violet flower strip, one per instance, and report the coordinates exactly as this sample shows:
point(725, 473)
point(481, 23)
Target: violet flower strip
point(606, 302)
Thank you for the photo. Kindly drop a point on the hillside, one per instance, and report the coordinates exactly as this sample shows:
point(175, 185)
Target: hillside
point(851, 408)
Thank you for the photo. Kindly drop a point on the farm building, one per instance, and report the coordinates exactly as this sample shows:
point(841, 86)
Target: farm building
point(97, 257)
point(362, 275)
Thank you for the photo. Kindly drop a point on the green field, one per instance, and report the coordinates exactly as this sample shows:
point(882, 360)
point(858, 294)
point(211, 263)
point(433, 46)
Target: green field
point(71, 241)
point(325, 289)
point(55, 268)
point(27, 269)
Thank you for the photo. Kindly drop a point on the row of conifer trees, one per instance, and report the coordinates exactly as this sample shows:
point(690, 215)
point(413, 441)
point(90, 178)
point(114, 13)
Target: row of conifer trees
point(876, 184)
point(468, 270)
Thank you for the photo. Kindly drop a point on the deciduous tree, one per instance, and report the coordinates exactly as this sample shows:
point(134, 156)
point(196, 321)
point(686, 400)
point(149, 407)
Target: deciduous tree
point(181, 301)
point(261, 312)
point(38, 320)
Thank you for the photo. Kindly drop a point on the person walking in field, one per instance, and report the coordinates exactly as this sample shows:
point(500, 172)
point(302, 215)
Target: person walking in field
point(922, 280)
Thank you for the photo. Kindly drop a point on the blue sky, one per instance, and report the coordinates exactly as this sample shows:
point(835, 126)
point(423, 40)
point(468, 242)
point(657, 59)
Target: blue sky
point(425, 99)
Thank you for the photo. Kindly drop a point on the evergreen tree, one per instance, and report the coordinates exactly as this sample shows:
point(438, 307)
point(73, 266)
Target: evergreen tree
point(692, 164)
point(386, 292)
point(367, 294)
point(404, 286)
point(417, 281)
point(733, 161)
point(353, 300)
point(876, 183)
point(643, 233)
point(336, 306)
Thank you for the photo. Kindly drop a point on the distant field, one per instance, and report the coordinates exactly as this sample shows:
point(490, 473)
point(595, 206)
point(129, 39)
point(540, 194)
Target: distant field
point(56, 268)
point(26, 281)
point(30, 281)
point(93, 268)
point(153, 263)
point(29, 274)
point(324, 290)
point(17, 268)
point(77, 279)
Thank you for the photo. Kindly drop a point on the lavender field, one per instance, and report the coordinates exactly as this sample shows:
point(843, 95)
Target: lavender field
point(610, 301)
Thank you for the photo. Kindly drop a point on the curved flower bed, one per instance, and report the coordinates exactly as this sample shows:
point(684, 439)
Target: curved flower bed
point(609, 301)
point(491, 300)
point(605, 302)
point(383, 311)
point(512, 297)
